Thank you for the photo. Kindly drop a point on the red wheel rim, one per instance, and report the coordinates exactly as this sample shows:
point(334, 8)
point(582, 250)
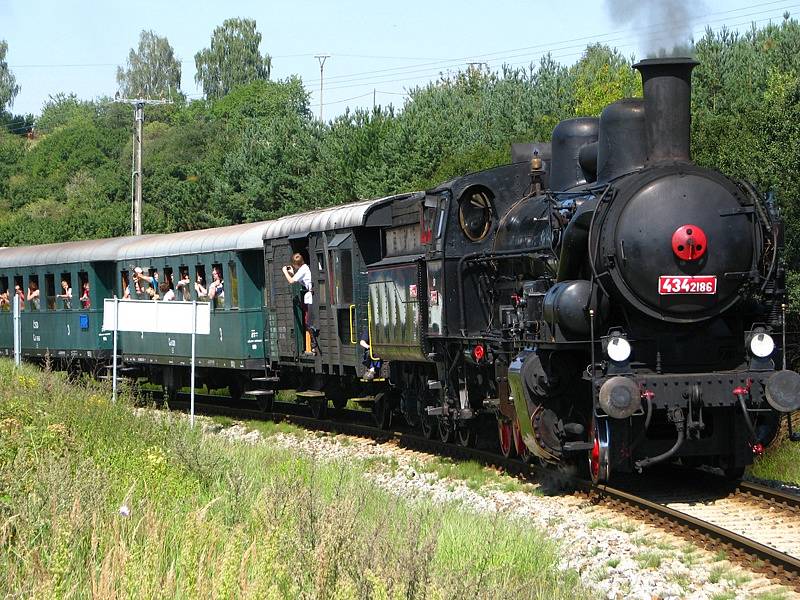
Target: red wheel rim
point(522, 449)
point(594, 458)
point(505, 434)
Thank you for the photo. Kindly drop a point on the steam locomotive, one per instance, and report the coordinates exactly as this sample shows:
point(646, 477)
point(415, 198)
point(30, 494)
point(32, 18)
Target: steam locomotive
point(603, 302)
point(631, 307)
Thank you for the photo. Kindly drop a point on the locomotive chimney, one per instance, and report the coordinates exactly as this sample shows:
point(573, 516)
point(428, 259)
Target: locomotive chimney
point(667, 84)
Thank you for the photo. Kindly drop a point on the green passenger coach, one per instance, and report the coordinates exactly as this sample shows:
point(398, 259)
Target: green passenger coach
point(233, 353)
point(64, 322)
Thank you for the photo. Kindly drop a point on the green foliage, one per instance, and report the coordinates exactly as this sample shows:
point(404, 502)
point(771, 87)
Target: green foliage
point(8, 83)
point(601, 77)
point(152, 71)
point(17, 124)
point(232, 59)
point(252, 150)
point(64, 109)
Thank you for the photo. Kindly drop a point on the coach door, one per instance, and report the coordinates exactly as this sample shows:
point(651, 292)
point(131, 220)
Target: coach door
point(349, 308)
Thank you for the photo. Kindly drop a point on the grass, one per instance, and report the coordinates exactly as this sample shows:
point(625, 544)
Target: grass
point(720, 572)
point(599, 524)
point(475, 475)
point(648, 560)
point(97, 503)
point(779, 463)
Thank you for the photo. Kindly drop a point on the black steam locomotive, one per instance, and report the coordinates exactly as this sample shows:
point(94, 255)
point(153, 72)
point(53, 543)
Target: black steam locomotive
point(608, 298)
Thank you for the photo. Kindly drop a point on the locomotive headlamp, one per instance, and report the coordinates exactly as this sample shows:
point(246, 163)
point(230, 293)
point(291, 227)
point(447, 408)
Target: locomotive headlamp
point(479, 353)
point(762, 345)
point(618, 349)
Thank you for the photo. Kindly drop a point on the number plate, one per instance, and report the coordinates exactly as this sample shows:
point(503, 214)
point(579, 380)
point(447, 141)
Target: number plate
point(687, 284)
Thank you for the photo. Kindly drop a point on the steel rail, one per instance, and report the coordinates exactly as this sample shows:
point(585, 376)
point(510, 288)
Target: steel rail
point(771, 494)
point(788, 563)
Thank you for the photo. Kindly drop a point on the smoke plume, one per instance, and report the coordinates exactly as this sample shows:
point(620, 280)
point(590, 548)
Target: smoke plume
point(663, 27)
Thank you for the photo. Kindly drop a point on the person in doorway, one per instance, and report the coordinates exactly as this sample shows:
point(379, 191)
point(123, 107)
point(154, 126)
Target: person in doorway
point(298, 272)
point(372, 366)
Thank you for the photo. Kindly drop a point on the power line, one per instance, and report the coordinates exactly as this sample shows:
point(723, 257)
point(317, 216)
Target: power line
point(428, 73)
point(434, 68)
point(442, 61)
point(553, 46)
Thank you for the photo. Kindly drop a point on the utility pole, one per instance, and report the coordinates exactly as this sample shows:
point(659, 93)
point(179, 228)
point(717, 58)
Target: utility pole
point(321, 58)
point(138, 105)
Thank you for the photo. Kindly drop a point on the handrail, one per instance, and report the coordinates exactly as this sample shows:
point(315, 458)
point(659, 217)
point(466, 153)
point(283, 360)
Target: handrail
point(352, 320)
point(369, 330)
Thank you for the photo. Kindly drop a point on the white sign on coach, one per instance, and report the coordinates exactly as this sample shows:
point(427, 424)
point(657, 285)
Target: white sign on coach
point(157, 317)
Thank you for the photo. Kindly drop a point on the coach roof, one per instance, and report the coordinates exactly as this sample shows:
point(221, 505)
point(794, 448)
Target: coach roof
point(356, 214)
point(65, 252)
point(247, 236)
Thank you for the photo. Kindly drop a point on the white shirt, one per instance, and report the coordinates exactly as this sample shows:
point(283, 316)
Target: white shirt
point(169, 295)
point(303, 275)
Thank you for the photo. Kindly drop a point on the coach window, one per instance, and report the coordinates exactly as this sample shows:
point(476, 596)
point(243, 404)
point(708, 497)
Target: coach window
point(50, 290)
point(33, 293)
point(343, 272)
point(233, 285)
point(183, 287)
point(153, 272)
point(19, 285)
point(168, 277)
point(65, 293)
point(125, 290)
point(216, 286)
point(83, 294)
point(5, 294)
point(321, 294)
point(200, 283)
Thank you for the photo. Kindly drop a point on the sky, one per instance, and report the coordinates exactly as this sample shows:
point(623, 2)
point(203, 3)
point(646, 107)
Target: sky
point(378, 51)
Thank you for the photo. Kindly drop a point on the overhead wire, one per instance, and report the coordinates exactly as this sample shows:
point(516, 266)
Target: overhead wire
point(514, 52)
point(435, 66)
point(428, 74)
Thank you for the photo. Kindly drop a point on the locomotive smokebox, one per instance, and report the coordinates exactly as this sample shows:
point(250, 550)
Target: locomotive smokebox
point(667, 84)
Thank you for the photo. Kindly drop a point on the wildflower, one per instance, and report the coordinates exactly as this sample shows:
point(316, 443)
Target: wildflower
point(10, 425)
point(124, 510)
point(58, 429)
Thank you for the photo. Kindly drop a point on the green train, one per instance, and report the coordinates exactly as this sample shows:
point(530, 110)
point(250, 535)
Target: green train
point(257, 342)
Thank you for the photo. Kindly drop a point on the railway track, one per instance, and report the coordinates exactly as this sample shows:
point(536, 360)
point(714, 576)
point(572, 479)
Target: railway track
point(755, 525)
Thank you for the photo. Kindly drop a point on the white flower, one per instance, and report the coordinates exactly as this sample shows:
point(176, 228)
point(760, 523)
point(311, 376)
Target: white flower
point(124, 510)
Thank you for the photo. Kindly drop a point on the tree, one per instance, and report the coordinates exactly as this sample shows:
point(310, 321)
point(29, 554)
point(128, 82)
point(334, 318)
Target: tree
point(602, 76)
point(152, 71)
point(233, 58)
point(8, 83)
